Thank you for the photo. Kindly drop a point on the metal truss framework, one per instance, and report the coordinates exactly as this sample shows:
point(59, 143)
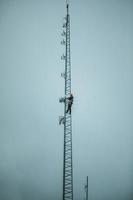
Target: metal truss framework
point(66, 120)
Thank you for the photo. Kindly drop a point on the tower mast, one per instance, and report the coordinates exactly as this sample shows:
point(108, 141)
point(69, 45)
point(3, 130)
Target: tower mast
point(86, 189)
point(66, 120)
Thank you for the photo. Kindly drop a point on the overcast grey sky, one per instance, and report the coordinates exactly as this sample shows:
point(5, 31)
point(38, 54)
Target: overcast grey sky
point(31, 141)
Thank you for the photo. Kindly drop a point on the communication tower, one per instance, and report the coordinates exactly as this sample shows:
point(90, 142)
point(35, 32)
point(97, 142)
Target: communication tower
point(66, 119)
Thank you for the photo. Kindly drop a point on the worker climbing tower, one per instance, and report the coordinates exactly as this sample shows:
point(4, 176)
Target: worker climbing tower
point(66, 120)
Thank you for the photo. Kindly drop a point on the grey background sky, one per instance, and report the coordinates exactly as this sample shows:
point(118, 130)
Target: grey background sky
point(31, 141)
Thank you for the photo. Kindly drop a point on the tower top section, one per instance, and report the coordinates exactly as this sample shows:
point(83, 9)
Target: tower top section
point(67, 6)
point(67, 2)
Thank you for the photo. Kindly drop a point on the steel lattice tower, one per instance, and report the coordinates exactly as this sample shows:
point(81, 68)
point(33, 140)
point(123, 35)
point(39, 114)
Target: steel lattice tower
point(66, 120)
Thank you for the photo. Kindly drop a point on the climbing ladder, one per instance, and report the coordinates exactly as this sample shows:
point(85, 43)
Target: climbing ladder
point(66, 120)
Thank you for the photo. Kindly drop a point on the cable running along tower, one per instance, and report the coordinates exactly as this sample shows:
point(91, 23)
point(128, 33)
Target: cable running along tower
point(66, 120)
